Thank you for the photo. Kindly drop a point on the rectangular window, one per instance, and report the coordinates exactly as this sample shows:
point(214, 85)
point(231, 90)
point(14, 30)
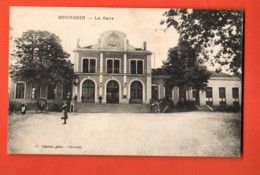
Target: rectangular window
point(92, 65)
point(85, 65)
point(209, 92)
point(136, 67)
point(209, 96)
point(182, 95)
point(20, 89)
point(51, 92)
point(133, 67)
point(235, 96)
point(222, 92)
point(113, 66)
point(194, 93)
point(116, 66)
point(235, 93)
point(89, 65)
point(222, 96)
point(109, 66)
point(139, 67)
point(168, 92)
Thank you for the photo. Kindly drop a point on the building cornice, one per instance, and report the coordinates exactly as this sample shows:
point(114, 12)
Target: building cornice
point(139, 52)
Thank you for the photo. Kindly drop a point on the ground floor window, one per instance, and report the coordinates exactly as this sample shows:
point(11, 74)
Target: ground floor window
point(88, 92)
point(168, 93)
point(209, 99)
point(196, 96)
point(182, 95)
point(51, 92)
point(20, 90)
point(136, 92)
point(235, 96)
point(155, 92)
point(222, 96)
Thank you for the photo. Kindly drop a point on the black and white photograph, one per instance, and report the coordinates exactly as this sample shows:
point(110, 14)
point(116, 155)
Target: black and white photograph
point(125, 81)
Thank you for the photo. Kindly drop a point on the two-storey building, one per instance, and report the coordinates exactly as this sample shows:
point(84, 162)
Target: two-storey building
point(114, 70)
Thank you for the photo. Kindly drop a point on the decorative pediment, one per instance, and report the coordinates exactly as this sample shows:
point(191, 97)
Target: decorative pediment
point(113, 40)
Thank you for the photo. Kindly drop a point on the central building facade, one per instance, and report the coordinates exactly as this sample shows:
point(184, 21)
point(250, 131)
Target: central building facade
point(113, 70)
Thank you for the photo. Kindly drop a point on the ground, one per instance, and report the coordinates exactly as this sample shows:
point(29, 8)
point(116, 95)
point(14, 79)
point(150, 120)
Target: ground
point(175, 134)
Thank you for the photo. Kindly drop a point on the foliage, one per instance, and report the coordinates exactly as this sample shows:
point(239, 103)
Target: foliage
point(185, 70)
point(40, 59)
point(216, 35)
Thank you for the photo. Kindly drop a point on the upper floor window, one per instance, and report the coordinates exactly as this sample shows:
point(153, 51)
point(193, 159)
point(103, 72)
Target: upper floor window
point(136, 67)
point(89, 65)
point(20, 90)
point(113, 66)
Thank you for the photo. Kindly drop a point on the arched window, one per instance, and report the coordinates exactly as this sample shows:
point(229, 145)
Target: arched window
point(136, 93)
point(88, 91)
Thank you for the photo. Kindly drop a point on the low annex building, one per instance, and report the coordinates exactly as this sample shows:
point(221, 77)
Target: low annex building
point(117, 72)
point(223, 89)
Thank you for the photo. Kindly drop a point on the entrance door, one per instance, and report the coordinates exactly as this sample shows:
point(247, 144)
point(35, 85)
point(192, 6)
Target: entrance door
point(155, 93)
point(136, 92)
point(88, 92)
point(112, 92)
point(196, 96)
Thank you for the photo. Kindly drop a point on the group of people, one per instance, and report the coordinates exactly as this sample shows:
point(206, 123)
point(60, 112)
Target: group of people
point(68, 105)
point(12, 108)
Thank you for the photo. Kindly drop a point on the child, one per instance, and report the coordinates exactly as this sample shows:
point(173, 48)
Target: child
point(23, 109)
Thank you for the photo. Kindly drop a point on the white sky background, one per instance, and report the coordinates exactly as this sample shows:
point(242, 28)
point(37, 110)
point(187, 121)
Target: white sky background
point(139, 24)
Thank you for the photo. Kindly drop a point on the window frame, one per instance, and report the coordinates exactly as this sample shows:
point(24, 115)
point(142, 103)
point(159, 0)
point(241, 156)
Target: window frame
point(47, 92)
point(222, 100)
point(89, 66)
point(24, 93)
point(136, 66)
point(113, 65)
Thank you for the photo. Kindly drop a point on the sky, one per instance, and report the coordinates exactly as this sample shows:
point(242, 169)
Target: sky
point(139, 24)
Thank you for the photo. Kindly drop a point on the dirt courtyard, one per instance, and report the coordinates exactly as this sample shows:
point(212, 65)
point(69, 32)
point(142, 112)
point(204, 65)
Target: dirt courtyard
point(170, 134)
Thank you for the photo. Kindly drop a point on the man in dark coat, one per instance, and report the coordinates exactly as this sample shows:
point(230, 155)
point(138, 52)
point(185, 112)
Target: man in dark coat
point(64, 112)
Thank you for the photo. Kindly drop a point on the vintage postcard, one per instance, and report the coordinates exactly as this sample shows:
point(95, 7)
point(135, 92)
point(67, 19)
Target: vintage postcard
point(125, 81)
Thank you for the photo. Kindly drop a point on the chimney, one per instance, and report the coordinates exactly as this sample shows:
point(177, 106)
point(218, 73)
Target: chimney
point(144, 45)
point(78, 46)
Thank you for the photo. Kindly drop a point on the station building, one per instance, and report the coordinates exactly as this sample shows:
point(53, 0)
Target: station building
point(114, 70)
point(117, 72)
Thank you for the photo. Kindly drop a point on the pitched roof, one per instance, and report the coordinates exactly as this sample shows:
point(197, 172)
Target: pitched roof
point(219, 74)
point(161, 72)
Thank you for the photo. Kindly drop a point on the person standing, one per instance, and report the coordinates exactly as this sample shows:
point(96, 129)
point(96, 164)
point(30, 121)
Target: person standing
point(11, 108)
point(100, 99)
point(64, 112)
point(75, 100)
point(23, 109)
point(68, 99)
